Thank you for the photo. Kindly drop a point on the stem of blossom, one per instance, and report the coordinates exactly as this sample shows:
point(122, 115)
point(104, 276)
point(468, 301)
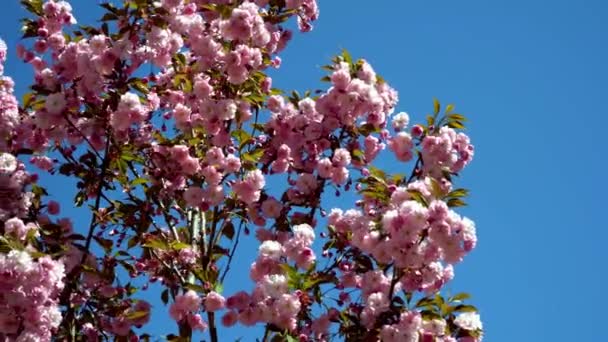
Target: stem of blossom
point(212, 328)
point(69, 317)
point(393, 283)
point(266, 333)
point(212, 236)
point(170, 267)
point(67, 119)
point(158, 202)
point(102, 175)
point(185, 331)
point(168, 218)
point(419, 163)
point(196, 226)
point(211, 315)
point(236, 243)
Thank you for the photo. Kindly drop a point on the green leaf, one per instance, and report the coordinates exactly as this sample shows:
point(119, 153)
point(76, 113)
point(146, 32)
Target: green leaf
point(439, 300)
point(228, 230)
point(358, 154)
point(456, 202)
point(290, 338)
point(456, 117)
point(347, 57)
point(132, 242)
point(138, 85)
point(465, 308)
point(456, 124)
point(194, 287)
point(28, 99)
point(449, 108)
point(459, 297)
point(182, 81)
point(241, 136)
point(156, 244)
point(164, 296)
point(425, 302)
point(105, 243)
point(436, 188)
point(253, 156)
point(137, 314)
point(430, 315)
point(139, 181)
point(417, 196)
point(376, 172)
point(459, 193)
point(370, 193)
point(179, 245)
point(367, 129)
point(181, 58)
point(430, 120)
point(33, 6)
point(29, 29)
point(109, 17)
point(436, 107)
point(110, 7)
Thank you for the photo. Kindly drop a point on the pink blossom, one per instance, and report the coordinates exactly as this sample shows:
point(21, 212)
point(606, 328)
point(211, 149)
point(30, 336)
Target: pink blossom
point(193, 196)
point(55, 103)
point(271, 207)
point(196, 322)
point(401, 144)
point(400, 121)
point(185, 304)
point(229, 319)
point(214, 301)
point(53, 208)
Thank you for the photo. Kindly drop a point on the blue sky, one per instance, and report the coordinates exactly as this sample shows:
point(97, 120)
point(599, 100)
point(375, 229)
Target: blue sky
point(532, 78)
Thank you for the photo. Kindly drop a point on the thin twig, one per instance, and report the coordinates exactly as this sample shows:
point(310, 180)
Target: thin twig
point(236, 243)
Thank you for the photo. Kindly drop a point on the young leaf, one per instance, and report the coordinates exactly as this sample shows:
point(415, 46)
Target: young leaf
point(436, 107)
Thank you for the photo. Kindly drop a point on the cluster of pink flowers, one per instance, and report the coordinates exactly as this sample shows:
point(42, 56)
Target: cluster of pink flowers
point(130, 111)
point(417, 239)
point(177, 165)
point(9, 108)
point(275, 247)
point(28, 301)
point(186, 309)
point(271, 300)
point(13, 179)
point(187, 306)
point(16, 228)
point(300, 134)
point(212, 56)
point(248, 190)
point(335, 168)
point(448, 150)
point(182, 259)
point(87, 63)
point(402, 145)
point(412, 328)
point(121, 324)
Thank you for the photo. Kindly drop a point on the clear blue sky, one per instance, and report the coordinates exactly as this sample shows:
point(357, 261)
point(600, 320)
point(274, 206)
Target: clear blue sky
point(532, 76)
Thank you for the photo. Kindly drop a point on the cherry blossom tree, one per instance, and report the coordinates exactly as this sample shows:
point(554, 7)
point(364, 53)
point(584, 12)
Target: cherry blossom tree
point(166, 117)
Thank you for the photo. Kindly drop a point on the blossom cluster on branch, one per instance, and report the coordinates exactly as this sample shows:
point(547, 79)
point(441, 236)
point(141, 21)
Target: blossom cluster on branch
point(165, 116)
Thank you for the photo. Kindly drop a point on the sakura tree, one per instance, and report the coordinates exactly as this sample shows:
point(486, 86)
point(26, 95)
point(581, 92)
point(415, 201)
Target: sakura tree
point(166, 117)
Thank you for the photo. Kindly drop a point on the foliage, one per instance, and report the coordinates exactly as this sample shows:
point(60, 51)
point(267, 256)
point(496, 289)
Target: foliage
point(166, 117)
